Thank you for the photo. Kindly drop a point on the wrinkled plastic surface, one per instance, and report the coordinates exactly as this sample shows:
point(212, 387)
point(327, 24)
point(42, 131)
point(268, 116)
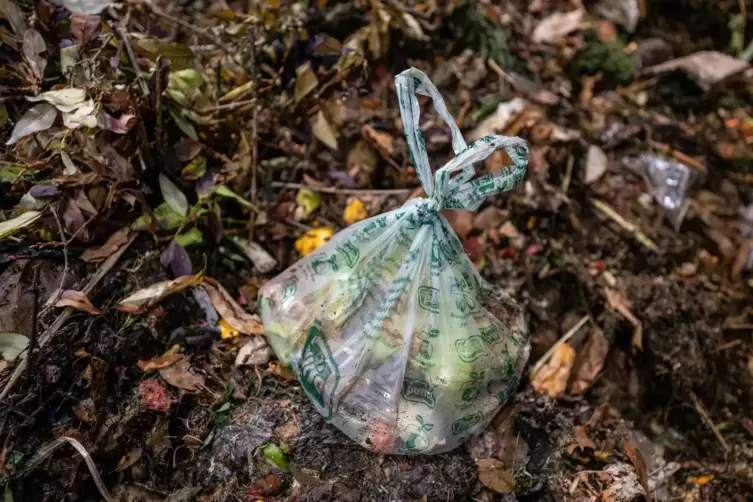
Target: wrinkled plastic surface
point(669, 182)
point(386, 325)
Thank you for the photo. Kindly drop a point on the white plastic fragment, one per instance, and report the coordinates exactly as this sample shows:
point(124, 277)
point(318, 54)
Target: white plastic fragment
point(386, 325)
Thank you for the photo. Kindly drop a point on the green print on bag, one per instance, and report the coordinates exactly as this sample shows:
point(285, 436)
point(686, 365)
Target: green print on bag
point(416, 438)
point(319, 374)
point(471, 348)
point(465, 423)
point(428, 299)
point(491, 334)
point(323, 264)
point(471, 389)
point(350, 253)
point(418, 391)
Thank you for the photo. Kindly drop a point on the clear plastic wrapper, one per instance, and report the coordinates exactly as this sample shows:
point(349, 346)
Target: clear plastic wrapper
point(388, 325)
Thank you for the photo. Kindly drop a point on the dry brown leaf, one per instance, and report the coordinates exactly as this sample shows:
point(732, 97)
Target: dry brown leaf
point(162, 362)
point(706, 68)
point(144, 299)
point(590, 362)
point(230, 311)
point(179, 375)
point(281, 371)
point(552, 377)
point(289, 431)
point(78, 301)
point(305, 81)
point(381, 139)
point(323, 131)
point(494, 475)
point(636, 458)
point(114, 242)
point(581, 436)
point(557, 26)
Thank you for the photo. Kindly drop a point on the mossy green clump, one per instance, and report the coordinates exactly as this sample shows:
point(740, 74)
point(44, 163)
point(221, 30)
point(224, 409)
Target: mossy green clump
point(608, 58)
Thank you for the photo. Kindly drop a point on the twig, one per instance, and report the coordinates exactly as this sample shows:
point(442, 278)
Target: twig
point(254, 134)
point(571, 332)
point(705, 416)
point(227, 106)
point(345, 191)
point(34, 314)
point(49, 449)
point(134, 62)
point(55, 296)
point(55, 326)
point(630, 227)
point(184, 24)
point(680, 156)
point(568, 174)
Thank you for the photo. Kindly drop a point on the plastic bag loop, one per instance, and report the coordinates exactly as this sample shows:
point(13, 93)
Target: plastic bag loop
point(460, 191)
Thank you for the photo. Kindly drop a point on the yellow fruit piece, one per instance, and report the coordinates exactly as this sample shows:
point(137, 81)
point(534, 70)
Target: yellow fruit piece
point(312, 240)
point(700, 480)
point(227, 331)
point(356, 211)
point(308, 200)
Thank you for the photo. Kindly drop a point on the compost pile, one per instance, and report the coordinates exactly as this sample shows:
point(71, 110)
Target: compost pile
point(166, 160)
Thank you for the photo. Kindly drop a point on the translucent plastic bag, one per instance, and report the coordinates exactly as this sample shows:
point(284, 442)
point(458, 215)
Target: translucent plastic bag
point(387, 325)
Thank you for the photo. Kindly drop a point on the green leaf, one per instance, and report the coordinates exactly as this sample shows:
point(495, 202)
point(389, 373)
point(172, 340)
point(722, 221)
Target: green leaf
point(181, 56)
point(167, 217)
point(193, 236)
point(195, 169)
point(275, 455)
point(308, 200)
point(224, 191)
point(183, 123)
point(9, 227)
point(173, 196)
point(12, 344)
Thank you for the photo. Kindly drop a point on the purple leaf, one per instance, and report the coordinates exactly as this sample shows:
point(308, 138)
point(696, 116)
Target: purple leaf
point(187, 149)
point(175, 259)
point(119, 168)
point(342, 177)
point(205, 184)
point(41, 191)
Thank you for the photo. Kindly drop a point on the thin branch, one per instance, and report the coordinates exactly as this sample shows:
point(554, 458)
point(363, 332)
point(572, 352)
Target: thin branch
point(204, 33)
point(630, 227)
point(54, 297)
point(567, 336)
point(134, 62)
point(705, 416)
point(254, 134)
point(346, 191)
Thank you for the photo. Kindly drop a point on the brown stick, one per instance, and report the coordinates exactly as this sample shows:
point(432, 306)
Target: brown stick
point(346, 191)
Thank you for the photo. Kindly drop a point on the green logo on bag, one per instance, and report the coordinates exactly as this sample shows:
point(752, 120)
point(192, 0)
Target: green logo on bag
point(491, 334)
point(319, 373)
point(418, 391)
point(417, 439)
point(472, 389)
point(428, 298)
point(471, 348)
point(465, 423)
point(350, 253)
point(289, 288)
point(322, 262)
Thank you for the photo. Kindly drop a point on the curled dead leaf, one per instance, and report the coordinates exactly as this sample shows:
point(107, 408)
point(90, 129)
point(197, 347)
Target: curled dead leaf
point(179, 375)
point(144, 299)
point(552, 377)
point(164, 361)
point(494, 475)
point(590, 362)
point(230, 311)
point(78, 301)
point(114, 242)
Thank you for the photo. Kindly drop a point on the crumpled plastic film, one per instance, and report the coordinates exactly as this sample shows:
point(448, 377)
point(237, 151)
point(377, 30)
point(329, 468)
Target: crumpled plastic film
point(388, 326)
point(669, 182)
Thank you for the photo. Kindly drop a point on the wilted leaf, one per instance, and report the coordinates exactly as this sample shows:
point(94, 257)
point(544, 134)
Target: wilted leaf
point(187, 149)
point(70, 167)
point(10, 11)
point(381, 139)
point(42, 191)
point(323, 131)
point(554, 28)
point(195, 169)
point(706, 68)
point(181, 56)
point(230, 311)
point(9, 227)
point(596, 164)
point(128, 460)
point(78, 301)
point(85, 6)
point(66, 100)
point(33, 47)
point(184, 81)
point(143, 299)
point(83, 26)
point(117, 166)
point(355, 211)
point(152, 395)
point(494, 475)
point(308, 200)
point(74, 219)
point(112, 244)
point(590, 362)
point(120, 125)
point(179, 375)
point(224, 191)
point(552, 377)
point(312, 240)
point(162, 362)
point(175, 259)
point(173, 196)
point(37, 118)
point(255, 351)
point(83, 116)
point(12, 344)
point(305, 81)
point(636, 458)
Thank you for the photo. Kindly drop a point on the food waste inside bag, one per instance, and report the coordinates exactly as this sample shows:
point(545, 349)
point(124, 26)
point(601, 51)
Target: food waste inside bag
point(395, 338)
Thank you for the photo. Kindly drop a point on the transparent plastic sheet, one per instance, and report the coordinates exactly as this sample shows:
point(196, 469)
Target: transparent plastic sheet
point(387, 325)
